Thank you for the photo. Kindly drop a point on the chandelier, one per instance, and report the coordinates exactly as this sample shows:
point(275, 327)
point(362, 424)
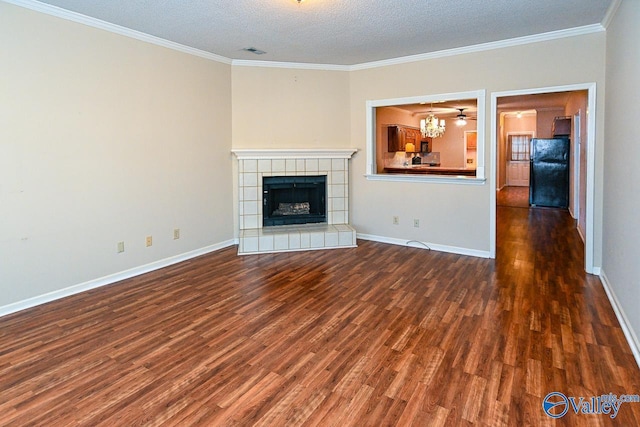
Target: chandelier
point(431, 128)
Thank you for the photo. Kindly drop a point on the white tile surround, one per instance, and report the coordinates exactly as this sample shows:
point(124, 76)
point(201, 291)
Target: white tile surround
point(253, 164)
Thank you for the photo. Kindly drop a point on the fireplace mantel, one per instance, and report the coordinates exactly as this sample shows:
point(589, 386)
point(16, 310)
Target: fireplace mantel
point(293, 153)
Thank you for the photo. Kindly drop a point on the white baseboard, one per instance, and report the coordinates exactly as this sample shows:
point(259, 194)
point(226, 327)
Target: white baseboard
point(107, 280)
point(425, 245)
point(628, 331)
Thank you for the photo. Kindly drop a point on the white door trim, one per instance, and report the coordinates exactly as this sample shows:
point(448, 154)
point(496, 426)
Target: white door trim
point(577, 142)
point(590, 169)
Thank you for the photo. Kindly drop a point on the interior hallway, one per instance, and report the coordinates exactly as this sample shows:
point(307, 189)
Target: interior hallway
point(515, 197)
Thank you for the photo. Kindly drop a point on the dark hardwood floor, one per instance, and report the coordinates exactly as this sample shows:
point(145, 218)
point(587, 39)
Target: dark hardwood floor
point(371, 336)
point(515, 197)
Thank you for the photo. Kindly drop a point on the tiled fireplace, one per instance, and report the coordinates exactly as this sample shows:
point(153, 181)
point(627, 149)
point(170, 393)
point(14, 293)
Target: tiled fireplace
point(254, 165)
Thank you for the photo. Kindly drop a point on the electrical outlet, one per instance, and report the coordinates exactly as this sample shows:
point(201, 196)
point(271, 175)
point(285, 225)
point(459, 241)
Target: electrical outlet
point(149, 241)
point(176, 233)
point(120, 247)
point(396, 220)
point(416, 223)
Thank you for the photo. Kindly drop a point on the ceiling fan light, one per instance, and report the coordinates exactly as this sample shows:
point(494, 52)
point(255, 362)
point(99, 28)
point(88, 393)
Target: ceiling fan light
point(461, 121)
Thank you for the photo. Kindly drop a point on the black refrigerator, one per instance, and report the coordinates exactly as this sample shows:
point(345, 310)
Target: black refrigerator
point(549, 172)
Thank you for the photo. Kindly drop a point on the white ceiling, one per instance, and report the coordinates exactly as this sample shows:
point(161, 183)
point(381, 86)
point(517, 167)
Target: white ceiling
point(338, 32)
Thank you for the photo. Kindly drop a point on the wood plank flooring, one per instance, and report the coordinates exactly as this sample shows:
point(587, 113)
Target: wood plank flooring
point(515, 197)
point(371, 336)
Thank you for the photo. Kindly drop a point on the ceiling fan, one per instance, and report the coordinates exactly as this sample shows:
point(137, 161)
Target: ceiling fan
point(462, 117)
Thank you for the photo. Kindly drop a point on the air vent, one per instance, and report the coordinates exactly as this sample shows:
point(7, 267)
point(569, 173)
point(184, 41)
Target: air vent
point(254, 50)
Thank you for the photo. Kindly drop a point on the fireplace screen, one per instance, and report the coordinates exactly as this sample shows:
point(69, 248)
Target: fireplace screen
point(294, 200)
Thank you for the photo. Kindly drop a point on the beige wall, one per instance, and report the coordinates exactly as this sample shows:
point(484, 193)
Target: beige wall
point(104, 139)
point(527, 123)
point(620, 263)
point(289, 108)
point(544, 118)
point(458, 215)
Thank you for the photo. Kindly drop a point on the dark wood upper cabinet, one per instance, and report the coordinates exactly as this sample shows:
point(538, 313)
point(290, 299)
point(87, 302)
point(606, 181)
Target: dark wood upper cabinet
point(400, 135)
point(562, 126)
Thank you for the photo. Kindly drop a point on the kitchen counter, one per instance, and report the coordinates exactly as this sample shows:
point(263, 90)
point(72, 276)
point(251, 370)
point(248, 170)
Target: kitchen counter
point(432, 170)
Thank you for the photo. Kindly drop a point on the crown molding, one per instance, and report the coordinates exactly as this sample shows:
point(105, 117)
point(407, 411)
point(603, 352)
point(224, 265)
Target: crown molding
point(103, 25)
point(611, 12)
point(518, 41)
point(291, 65)
point(113, 28)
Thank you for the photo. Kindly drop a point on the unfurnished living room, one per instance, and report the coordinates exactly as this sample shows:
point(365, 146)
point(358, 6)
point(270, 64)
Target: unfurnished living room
point(316, 212)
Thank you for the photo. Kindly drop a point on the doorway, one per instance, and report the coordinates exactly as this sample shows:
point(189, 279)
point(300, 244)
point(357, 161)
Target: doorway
point(509, 162)
point(517, 145)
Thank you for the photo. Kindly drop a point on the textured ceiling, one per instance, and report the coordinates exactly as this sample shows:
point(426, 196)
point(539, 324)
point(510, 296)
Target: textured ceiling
point(338, 32)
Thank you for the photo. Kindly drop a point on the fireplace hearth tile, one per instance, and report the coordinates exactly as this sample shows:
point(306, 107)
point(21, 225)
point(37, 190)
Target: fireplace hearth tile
point(252, 232)
point(331, 239)
point(296, 238)
point(280, 242)
point(305, 240)
point(317, 240)
point(345, 238)
point(265, 243)
point(249, 245)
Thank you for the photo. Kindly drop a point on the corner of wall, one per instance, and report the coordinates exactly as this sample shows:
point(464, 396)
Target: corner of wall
point(625, 324)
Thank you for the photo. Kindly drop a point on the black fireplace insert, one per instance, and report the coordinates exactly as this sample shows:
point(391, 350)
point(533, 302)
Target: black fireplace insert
point(290, 200)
